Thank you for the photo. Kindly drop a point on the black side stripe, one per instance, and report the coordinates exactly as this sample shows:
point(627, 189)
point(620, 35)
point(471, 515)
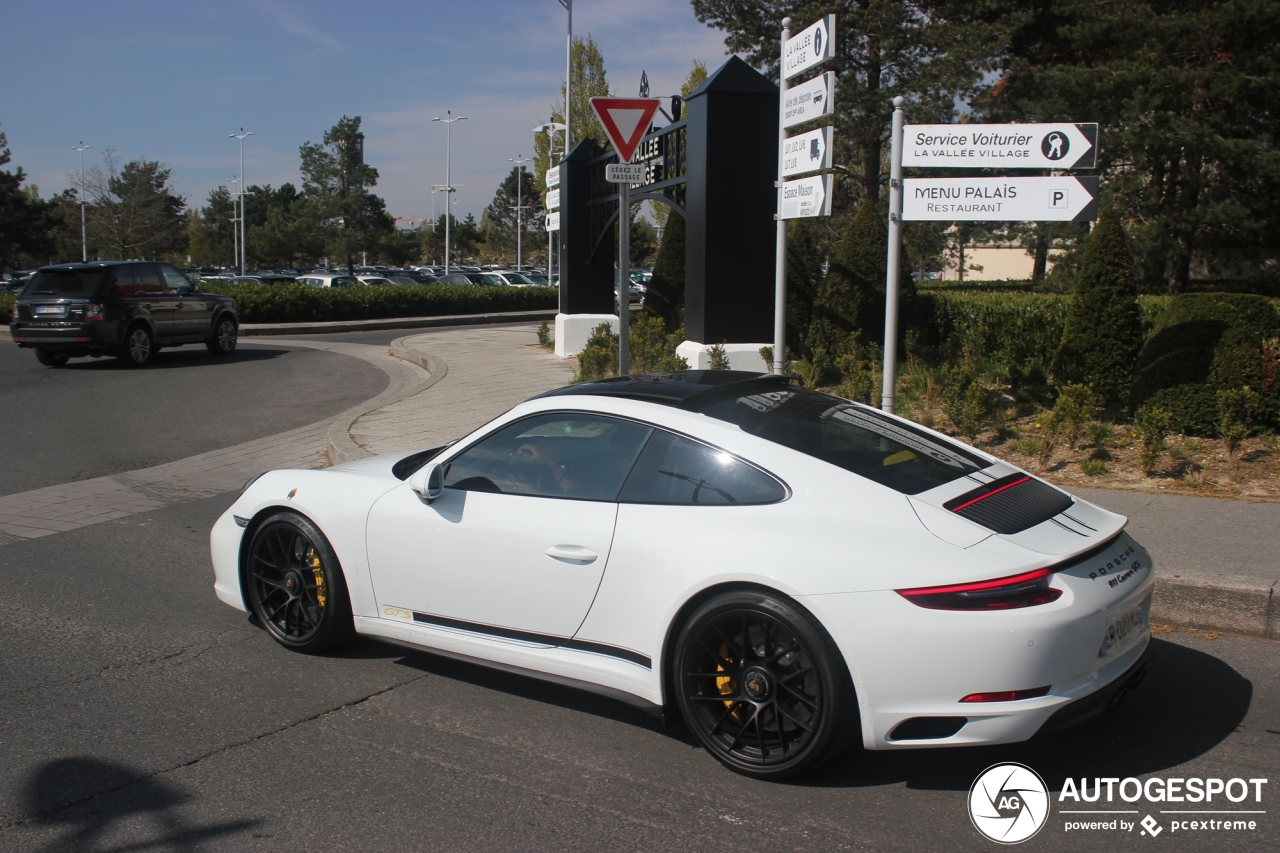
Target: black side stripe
point(540, 639)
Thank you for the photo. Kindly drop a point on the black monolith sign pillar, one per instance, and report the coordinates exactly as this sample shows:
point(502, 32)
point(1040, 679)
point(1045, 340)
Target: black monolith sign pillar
point(730, 231)
point(586, 258)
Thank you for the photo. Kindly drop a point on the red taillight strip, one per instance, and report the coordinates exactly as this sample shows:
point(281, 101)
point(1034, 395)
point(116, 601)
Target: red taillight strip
point(1013, 580)
point(989, 494)
point(1007, 695)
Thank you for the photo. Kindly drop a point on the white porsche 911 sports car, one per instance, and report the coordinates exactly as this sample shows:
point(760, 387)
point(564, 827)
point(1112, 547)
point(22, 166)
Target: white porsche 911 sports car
point(787, 571)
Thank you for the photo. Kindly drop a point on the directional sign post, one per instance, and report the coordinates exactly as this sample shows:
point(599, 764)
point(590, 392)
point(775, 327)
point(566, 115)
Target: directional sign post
point(625, 120)
point(807, 197)
point(553, 199)
point(1011, 199)
point(553, 224)
point(814, 45)
point(553, 177)
point(810, 100)
point(1003, 146)
point(806, 152)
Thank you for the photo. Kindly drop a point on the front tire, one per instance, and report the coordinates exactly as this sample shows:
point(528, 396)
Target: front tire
point(295, 585)
point(225, 335)
point(49, 358)
point(139, 346)
point(762, 686)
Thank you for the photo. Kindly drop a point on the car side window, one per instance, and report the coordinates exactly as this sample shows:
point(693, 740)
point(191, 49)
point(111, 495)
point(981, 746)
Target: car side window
point(676, 470)
point(559, 455)
point(149, 279)
point(121, 282)
point(175, 280)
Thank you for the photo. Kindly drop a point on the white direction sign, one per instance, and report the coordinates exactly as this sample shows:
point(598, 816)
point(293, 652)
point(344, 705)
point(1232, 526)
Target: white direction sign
point(625, 173)
point(553, 221)
point(553, 199)
point(553, 177)
point(806, 152)
point(1008, 199)
point(812, 99)
point(810, 47)
point(806, 197)
point(1005, 146)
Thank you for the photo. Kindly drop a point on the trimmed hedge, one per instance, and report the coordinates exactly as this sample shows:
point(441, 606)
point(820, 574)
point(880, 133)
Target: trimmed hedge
point(296, 303)
point(1204, 343)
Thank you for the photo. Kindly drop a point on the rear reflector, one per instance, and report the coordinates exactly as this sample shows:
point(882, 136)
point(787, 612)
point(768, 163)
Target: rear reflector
point(1025, 590)
point(1007, 695)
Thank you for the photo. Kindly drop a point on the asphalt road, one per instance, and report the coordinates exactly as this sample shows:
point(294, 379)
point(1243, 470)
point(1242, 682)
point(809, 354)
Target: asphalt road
point(96, 417)
point(137, 712)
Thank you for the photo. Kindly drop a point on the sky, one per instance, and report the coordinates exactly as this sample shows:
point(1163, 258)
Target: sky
point(172, 80)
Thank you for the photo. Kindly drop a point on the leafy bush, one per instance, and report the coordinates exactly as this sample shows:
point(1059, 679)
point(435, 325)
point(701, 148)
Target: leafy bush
point(1151, 424)
point(1073, 411)
point(966, 403)
point(544, 335)
point(295, 303)
point(652, 349)
point(1235, 415)
point(1103, 332)
point(1204, 343)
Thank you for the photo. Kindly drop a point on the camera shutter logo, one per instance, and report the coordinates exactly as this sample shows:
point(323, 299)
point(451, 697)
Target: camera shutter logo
point(1008, 803)
point(1055, 145)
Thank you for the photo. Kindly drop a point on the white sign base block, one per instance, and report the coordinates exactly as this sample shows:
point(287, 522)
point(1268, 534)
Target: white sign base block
point(573, 331)
point(741, 356)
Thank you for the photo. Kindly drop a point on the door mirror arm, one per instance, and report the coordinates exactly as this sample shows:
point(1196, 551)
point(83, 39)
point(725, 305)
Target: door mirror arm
point(427, 482)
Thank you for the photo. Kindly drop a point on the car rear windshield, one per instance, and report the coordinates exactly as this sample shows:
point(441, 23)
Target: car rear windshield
point(67, 283)
point(853, 437)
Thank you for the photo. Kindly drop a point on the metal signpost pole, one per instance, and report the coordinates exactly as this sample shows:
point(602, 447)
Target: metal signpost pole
point(568, 70)
point(84, 233)
point(448, 182)
point(520, 160)
point(244, 255)
point(890, 379)
point(780, 285)
point(624, 279)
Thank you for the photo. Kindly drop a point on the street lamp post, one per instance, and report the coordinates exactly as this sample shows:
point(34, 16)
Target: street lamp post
point(519, 161)
point(244, 255)
point(235, 234)
point(448, 178)
point(84, 233)
point(568, 71)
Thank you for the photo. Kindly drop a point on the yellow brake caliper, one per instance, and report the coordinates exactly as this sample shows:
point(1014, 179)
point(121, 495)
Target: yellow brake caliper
point(319, 573)
point(724, 683)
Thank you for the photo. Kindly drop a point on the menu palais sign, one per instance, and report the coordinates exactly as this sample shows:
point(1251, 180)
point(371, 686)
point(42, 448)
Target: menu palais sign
point(1007, 146)
point(1062, 199)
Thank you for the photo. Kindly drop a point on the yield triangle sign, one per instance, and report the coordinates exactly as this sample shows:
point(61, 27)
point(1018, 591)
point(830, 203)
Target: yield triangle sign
point(625, 120)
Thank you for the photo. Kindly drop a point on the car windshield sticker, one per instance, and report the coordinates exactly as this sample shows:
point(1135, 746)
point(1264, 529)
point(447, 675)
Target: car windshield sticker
point(767, 401)
point(893, 432)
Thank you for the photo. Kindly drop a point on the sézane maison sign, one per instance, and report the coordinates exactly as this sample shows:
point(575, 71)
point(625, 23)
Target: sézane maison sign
point(1005, 146)
point(1068, 198)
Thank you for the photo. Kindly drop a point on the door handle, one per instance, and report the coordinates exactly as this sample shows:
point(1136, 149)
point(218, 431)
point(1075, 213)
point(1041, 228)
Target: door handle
point(572, 554)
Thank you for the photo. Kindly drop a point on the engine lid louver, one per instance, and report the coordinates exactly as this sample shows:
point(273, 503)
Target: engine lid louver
point(1010, 504)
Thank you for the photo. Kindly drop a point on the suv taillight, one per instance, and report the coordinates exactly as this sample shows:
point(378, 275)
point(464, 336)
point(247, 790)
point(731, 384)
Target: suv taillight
point(94, 313)
point(1025, 590)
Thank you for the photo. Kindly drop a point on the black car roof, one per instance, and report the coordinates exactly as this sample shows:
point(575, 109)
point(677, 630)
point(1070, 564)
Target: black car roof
point(685, 389)
point(93, 265)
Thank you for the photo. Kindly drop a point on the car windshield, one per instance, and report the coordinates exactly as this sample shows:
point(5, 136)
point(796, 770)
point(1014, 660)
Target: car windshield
point(63, 283)
point(489, 278)
point(850, 436)
point(534, 278)
point(517, 278)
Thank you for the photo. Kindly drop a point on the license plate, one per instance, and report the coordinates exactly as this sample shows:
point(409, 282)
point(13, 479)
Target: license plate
point(1124, 629)
point(50, 309)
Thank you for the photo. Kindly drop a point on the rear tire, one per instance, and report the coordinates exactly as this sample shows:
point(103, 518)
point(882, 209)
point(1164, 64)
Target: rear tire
point(50, 359)
point(225, 336)
point(762, 686)
point(295, 585)
point(139, 346)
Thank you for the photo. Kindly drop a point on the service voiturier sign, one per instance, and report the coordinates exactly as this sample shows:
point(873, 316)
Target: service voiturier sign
point(1005, 146)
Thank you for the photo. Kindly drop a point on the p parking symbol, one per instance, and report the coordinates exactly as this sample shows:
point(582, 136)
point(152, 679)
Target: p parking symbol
point(1058, 199)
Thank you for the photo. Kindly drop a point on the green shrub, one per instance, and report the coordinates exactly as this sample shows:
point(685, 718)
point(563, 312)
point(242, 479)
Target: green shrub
point(544, 335)
point(652, 349)
point(966, 403)
point(599, 358)
point(1093, 467)
point(1103, 333)
point(1235, 416)
point(1203, 343)
point(1073, 411)
point(1151, 424)
point(6, 308)
point(719, 358)
point(665, 295)
point(295, 303)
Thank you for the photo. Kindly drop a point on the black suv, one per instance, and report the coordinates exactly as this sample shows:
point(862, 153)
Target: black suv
point(122, 308)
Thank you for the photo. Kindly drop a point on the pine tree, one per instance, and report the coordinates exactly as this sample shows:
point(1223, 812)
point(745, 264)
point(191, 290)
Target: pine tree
point(665, 297)
point(851, 297)
point(1103, 332)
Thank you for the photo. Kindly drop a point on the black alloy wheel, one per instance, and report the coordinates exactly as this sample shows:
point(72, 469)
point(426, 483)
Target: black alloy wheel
point(139, 346)
point(762, 686)
point(296, 588)
point(50, 359)
point(225, 334)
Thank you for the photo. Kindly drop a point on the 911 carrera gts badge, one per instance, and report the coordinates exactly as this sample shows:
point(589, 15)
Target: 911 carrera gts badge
point(397, 613)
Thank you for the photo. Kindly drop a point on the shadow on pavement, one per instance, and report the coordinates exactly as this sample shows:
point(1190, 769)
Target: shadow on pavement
point(106, 794)
point(1189, 703)
point(171, 358)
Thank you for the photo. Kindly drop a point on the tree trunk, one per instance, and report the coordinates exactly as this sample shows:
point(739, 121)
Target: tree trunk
point(1180, 275)
point(1041, 255)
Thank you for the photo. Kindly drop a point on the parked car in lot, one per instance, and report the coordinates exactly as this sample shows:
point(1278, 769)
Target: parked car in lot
point(120, 308)
point(514, 279)
point(372, 280)
point(481, 278)
point(641, 537)
point(264, 278)
point(537, 278)
point(326, 279)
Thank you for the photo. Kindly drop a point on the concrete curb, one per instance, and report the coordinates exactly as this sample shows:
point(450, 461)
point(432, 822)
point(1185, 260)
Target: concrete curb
point(341, 446)
point(1232, 603)
point(334, 327)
